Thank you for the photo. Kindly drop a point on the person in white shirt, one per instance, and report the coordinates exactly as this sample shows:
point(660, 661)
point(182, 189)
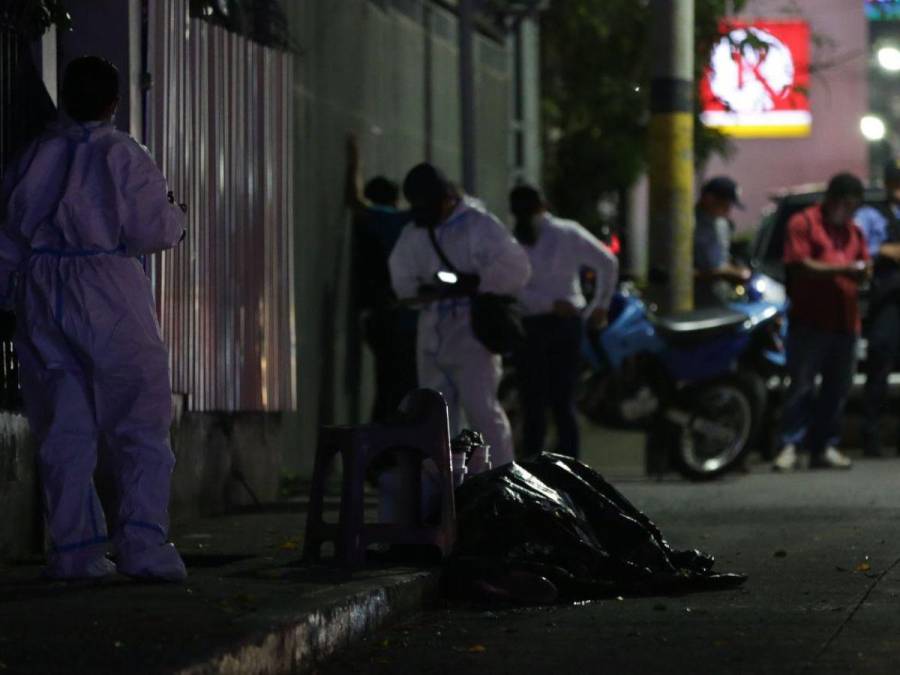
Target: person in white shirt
point(554, 308)
point(449, 357)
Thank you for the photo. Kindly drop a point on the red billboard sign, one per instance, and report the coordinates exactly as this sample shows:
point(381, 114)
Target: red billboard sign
point(756, 83)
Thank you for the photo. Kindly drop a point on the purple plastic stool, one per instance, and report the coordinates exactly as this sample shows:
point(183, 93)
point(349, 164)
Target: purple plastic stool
point(423, 432)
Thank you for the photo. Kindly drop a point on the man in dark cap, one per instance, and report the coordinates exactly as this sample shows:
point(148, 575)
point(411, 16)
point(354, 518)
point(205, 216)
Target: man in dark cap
point(485, 256)
point(715, 272)
point(881, 227)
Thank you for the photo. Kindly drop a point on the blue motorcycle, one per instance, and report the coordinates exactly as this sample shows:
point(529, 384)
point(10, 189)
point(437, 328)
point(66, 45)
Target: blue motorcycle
point(699, 381)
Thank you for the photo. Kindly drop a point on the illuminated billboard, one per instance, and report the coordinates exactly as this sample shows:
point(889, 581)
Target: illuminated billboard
point(756, 83)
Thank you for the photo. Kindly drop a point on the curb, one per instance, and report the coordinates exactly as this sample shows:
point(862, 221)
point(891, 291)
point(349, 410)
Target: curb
point(295, 641)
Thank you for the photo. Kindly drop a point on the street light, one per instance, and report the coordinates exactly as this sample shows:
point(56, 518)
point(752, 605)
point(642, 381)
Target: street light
point(872, 128)
point(889, 58)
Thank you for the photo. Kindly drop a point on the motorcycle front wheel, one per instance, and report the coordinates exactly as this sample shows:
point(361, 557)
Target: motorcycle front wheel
point(721, 425)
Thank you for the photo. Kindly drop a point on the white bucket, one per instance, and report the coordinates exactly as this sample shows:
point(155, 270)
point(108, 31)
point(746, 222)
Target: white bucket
point(479, 460)
point(459, 468)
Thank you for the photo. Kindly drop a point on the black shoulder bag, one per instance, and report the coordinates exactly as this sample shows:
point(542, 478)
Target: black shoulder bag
point(496, 320)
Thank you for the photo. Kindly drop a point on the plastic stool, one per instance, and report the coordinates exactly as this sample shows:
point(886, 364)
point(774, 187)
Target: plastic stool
point(423, 432)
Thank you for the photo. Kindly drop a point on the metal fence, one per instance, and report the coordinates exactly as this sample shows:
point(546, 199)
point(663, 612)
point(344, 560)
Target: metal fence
point(219, 123)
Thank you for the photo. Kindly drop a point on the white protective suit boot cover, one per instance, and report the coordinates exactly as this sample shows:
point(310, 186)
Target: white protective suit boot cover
point(62, 421)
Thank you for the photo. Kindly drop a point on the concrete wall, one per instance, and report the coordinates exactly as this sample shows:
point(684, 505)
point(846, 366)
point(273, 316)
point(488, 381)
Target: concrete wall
point(223, 462)
point(388, 71)
point(226, 461)
point(363, 68)
point(21, 522)
point(839, 98)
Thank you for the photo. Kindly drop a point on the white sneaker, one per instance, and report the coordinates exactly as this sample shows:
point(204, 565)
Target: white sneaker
point(160, 563)
point(832, 458)
point(786, 459)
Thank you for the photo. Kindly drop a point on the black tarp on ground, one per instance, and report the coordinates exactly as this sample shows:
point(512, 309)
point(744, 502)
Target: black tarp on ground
point(556, 518)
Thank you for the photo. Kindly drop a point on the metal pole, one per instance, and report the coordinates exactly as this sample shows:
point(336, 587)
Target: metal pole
point(671, 165)
point(531, 99)
point(467, 92)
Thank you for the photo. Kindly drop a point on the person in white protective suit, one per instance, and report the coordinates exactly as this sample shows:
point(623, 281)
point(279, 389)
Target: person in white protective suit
point(80, 207)
point(449, 357)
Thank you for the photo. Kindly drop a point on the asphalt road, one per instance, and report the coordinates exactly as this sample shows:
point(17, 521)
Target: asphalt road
point(822, 550)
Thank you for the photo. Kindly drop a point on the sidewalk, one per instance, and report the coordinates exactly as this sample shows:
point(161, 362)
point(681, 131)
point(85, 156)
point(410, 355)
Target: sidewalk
point(249, 606)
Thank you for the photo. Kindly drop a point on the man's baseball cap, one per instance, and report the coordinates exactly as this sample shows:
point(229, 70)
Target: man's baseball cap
point(892, 172)
point(725, 187)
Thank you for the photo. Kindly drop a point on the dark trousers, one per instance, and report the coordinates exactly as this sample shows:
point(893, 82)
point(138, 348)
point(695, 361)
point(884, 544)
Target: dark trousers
point(547, 366)
point(391, 334)
point(884, 344)
point(811, 418)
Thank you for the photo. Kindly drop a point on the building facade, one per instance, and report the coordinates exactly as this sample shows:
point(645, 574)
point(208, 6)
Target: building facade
point(249, 122)
point(838, 96)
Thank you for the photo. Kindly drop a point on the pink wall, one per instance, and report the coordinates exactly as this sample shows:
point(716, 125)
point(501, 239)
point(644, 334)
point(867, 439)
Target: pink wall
point(839, 96)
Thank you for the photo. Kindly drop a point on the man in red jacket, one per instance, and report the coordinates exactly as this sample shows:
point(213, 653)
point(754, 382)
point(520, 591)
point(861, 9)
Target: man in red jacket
point(826, 258)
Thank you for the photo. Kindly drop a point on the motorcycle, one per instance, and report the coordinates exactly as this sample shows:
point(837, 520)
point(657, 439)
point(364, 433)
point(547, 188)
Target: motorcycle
point(701, 382)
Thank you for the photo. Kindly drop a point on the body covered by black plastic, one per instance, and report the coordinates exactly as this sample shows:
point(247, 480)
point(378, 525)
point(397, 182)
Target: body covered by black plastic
point(558, 518)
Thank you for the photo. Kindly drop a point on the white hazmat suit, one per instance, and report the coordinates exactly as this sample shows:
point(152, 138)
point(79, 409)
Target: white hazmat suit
point(81, 205)
point(449, 357)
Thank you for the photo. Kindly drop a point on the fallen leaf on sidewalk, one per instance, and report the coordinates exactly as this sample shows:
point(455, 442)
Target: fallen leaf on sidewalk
point(864, 566)
point(474, 649)
point(289, 545)
point(781, 553)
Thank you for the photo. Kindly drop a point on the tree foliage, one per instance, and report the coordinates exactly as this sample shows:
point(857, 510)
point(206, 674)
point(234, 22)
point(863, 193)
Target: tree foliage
point(596, 63)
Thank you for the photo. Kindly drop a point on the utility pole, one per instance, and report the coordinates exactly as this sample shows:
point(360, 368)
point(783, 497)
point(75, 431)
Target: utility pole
point(671, 167)
point(467, 92)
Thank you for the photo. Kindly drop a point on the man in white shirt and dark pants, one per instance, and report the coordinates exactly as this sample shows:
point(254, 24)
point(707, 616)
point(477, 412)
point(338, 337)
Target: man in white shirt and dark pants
point(555, 308)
